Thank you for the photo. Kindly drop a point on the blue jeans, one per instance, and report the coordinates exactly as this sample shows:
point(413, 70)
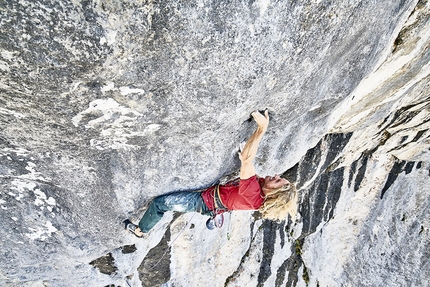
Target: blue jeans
point(181, 201)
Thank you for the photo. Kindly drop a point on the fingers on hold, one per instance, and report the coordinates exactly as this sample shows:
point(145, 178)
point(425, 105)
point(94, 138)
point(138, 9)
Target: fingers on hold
point(241, 146)
point(257, 113)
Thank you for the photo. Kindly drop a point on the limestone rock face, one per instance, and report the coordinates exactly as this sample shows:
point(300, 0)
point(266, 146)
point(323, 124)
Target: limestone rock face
point(106, 104)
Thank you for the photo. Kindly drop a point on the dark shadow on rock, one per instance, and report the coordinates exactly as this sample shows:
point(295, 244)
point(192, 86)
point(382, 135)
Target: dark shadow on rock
point(155, 268)
point(126, 249)
point(105, 264)
point(398, 167)
point(270, 229)
point(317, 201)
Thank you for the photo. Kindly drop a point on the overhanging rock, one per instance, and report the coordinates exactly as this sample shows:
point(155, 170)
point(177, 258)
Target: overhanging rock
point(104, 105)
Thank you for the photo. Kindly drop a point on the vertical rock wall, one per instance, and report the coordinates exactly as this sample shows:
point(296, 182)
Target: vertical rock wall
point(106, 104)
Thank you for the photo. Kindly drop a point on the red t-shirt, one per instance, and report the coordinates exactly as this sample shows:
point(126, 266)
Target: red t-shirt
point(243, 194)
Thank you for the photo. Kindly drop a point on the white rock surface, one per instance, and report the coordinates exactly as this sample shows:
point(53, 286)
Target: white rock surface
point(106, 104)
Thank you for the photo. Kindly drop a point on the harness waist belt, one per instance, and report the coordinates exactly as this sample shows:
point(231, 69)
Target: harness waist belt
point(217, 200)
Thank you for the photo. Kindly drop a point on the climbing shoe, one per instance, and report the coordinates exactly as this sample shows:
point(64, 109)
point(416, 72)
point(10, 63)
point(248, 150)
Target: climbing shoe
point(128, 225)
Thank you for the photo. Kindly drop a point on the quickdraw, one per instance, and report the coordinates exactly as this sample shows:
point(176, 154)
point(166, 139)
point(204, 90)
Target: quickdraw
point(217, 218)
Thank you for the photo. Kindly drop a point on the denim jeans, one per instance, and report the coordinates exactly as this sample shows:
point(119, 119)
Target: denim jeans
point(181, 201)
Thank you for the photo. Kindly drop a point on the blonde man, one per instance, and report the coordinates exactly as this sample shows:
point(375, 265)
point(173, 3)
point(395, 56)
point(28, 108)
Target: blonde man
point(274, 196)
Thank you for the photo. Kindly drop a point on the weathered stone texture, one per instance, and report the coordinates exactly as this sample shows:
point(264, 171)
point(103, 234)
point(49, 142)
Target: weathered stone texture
point(106, 104)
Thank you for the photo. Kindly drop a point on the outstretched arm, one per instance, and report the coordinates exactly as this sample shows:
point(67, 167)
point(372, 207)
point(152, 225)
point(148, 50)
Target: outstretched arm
point(247, 155)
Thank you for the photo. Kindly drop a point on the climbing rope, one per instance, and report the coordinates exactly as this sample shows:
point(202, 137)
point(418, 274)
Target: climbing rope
point(171, 243)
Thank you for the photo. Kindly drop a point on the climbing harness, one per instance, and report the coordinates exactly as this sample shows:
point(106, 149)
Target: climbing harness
point(215, 221)
point(217, 218)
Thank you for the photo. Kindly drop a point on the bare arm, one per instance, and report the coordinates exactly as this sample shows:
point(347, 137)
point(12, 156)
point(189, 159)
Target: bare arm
point(247, 155)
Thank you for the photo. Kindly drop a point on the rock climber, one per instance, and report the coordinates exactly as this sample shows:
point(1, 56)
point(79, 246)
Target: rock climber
point(275, 197)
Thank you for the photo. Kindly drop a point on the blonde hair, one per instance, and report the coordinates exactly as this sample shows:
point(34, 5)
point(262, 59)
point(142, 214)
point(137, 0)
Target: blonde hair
point(280, 202)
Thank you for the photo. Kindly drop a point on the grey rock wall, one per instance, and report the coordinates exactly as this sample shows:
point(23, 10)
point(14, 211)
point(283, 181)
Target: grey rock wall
point(104, 105)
